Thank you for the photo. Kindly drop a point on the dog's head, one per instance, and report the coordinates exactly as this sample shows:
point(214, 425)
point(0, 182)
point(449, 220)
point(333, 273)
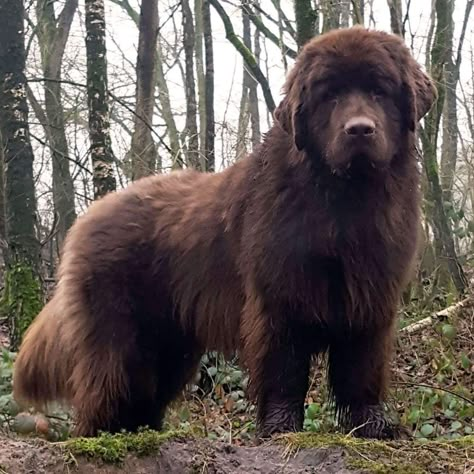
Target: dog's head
point(353, 98)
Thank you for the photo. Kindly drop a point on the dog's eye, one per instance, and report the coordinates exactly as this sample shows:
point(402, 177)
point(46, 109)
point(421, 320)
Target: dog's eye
point(378, 93)
point(330, 96)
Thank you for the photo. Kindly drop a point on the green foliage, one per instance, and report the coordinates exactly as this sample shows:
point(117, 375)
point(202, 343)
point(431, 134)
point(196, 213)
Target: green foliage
point(22, 300)
point(112, 448)
point(319, 418)
point(444, 358)
point(8, 406)
point(438, 414)
point(224, 381)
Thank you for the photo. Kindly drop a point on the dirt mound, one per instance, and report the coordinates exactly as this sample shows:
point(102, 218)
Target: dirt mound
point(18, 456)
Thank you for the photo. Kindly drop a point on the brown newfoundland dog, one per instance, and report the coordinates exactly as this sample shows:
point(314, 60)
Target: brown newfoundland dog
point(301, 248)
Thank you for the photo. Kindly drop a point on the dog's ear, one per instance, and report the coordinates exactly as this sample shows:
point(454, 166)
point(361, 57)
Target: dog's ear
point(408, 106)
point(426, 93)
point(282, 115)
point(290, 113)
point(423, 88)
point(300, 129)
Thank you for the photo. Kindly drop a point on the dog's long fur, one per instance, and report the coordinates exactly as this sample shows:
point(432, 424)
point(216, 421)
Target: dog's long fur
point(297, 249)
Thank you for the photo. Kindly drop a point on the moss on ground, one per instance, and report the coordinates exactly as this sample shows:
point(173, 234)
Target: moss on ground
point(113, 448)
point(394, 457)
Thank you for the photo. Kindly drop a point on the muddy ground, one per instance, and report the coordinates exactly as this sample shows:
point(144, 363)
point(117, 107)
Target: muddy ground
point(25, 456)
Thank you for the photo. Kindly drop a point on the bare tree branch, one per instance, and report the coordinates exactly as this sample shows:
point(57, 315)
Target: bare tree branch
point(246, 55)
point(267, 32)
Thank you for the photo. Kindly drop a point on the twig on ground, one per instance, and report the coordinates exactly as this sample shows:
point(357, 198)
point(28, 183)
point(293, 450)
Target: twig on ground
point(444, 313)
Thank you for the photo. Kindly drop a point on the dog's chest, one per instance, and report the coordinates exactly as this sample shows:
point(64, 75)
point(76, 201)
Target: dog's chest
point(324, 254)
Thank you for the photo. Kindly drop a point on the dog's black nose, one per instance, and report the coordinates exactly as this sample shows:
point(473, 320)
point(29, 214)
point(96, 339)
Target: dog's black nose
point(360, 127)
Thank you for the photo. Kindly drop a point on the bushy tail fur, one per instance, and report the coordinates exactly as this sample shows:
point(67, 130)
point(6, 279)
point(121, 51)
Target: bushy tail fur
point(43, 365)
point(60, 360)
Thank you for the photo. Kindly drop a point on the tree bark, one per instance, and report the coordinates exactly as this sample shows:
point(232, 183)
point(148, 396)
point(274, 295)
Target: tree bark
point(143, 149)
point(244, 113)
point(306, 21)
point(201, 79)
point(345, 13)
point(3, 220)
point(192, 147)
point(450, 127)
point(97, 95)
point(250, 110)
point(396, 17)
point(177, 160)
point(255, 137)
point(358, 11)
point(22, 297)
point(331, 14)
point(53, 34)
point(449, 147)
point(435, 208)
point(209, 145)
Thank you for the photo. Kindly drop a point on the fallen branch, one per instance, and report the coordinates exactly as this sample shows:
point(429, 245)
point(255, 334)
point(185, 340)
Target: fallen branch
point(444, 313)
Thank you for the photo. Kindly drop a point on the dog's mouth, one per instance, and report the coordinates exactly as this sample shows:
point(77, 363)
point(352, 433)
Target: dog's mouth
point(359, 164)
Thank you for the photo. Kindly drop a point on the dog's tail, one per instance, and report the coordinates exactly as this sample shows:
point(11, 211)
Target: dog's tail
point(64, 358)
point(44, 361)
point(81, 349)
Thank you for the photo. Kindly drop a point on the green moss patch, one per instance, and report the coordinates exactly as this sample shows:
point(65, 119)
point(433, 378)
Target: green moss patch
point(400, 457)
point(113, 448)
point(22, 300)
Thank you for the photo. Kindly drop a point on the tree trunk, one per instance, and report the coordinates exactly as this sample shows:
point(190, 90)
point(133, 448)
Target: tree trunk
point(22, 298)
point(242, 125)
point(249, 103)
point(97, 94)
point(192, 146)
point(435, 208)
point(306, 21)
point(253, 96)
point(209, 146)
point(396, 17)
point(450, 126)
point(331, 14)
point(143, 150)
point(358, 11)
point(449, 149)
point(3, 221)
point(201, 79)
point(244, 114)
point(177, 159)
point(163, 92)
point(345, 13)
point(53, 34)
